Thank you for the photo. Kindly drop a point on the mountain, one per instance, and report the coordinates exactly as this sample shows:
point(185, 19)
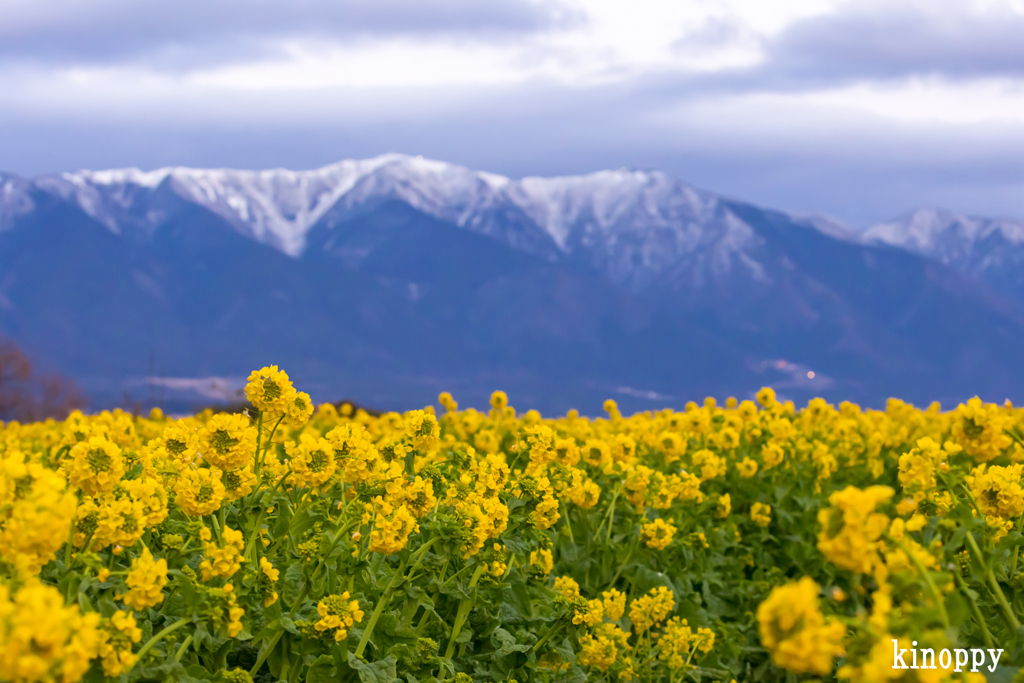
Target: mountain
point(390, 279)
point(991, 249)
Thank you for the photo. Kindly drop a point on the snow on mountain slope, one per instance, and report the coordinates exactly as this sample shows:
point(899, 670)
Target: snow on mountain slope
point(991, 249)
point(279, 206)
point(14, 199)
point(635, 226)
point(946, 236)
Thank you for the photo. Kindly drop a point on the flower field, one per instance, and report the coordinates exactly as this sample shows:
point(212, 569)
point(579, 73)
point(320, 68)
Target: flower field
point(751, 542)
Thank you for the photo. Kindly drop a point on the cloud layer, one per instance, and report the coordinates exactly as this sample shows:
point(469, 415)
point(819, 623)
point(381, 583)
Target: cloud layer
point(858, 109)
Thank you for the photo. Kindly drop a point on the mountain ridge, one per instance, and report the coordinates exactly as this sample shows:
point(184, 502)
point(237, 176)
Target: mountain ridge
point(393, 278)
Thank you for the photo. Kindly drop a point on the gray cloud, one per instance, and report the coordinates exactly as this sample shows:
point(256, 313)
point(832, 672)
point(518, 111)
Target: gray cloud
point(852, 166)
point(187, 33)
point(896, 39)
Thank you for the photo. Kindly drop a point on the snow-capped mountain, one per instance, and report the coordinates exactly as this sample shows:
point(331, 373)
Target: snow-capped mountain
point(991, 249)
point(393, 278)
point(633, 225)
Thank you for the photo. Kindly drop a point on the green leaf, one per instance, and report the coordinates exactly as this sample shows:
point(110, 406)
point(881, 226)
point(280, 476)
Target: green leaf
point(289, 625)
point(301, 523)
point(382, 671)
point(294, 583)
point(957, 608)
point(322, 670)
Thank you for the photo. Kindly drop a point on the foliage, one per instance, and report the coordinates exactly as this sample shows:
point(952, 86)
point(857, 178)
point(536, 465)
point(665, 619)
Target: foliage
point(751, 542)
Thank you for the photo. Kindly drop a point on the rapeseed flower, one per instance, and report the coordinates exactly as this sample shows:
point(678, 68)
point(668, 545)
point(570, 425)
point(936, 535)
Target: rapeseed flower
point(338, 613)
point(796, 633)
point(146, 580)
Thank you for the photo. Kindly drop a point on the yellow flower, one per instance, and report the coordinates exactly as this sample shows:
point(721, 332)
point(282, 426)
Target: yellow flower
point(850, 528)
point(597, 651)
point(747, 468)
point(227, 441)
point(311, 460)
point(418, 496)
point(596, 453)
point(675, 644)
point(96, 466)
point(672, 445)
point(567, 587)
point(724, 506)
point(116, 639)
point(36, 511)
point(542, 560)
point(499, 400)
point(614, 604)
point(772, 454)
point(766, 397)
point(299, 409)
point(391, 528)
point(647, 611)
point(980, 428)
point(238, 483)
point(796, 633)
point(338, 612)
point(658, 534)
point(146, 579)
point(421, 429)
point(41, 639)
point(222, 561)
point(180, 442)
point(267, 580)
point(997, 490)
point(270, 390)
point(761, 514)
point(446, 400)
point(199, 491)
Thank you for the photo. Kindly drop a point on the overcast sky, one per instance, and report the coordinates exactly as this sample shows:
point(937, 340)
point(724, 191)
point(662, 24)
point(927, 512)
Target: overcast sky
point(858, 110)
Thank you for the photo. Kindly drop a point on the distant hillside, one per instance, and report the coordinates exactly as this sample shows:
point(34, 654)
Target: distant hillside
point(391, 279)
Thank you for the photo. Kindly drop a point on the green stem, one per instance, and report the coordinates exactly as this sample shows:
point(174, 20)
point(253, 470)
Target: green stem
point(266, 653)
point(270, 439)
point(974, 608)
point(997, 592)
point(629, 556)
point(610, 517)
point(568, 524)
point(555, 628)
point(465, 605)
point(302, 596)
point(379, 609)
point(71, 542)
point(1016, 550)
point(256, 455)
point(156, 638)
point(928, 579)
point(247, 554)
point(183, 649)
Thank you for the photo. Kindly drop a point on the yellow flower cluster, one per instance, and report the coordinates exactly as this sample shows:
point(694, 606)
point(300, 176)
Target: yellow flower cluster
point(338, 613)
point(648, 611)
point(761, 514)
point(225, 559)
point(118, 635)
point(509, 504)
point(146, 579)
point(35, 512)
point(850, 528)
point(796, 633)
point(270, 390)
point(677, 645)
point(658, 534)
point(41, 639)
